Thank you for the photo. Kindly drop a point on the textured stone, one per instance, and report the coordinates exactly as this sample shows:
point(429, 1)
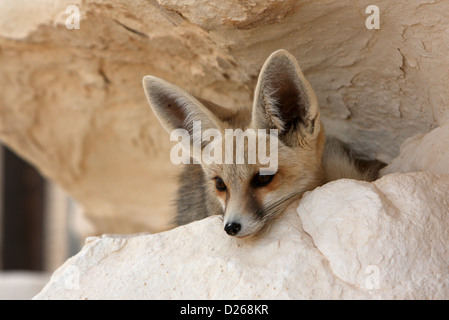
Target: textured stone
point(346, 240)
point(424, 152)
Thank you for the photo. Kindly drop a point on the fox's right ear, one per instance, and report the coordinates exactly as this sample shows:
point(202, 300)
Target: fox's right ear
point(175, 108)
point(284, 100)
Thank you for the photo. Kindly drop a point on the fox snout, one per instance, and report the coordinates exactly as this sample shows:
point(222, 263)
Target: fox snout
point(232, 228)
point(235, 224)
point(242, 225)
point(239, 228)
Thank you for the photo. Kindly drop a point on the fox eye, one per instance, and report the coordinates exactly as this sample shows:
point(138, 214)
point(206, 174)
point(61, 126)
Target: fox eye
point(262, 180)
point(219, 184)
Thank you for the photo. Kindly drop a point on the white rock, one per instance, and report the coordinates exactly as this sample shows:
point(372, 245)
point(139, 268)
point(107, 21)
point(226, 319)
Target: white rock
point(429, 152)
point(395, 227)
point(347, 239)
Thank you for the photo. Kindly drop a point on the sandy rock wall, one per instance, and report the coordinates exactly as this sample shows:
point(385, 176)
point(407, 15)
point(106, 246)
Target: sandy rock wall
point(72, 103)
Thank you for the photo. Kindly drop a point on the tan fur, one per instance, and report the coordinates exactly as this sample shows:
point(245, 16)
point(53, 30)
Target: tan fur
point(284, 100)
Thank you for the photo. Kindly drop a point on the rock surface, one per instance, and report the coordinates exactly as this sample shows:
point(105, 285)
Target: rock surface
point(72, 102)
point(346, 240)
point(423, 152)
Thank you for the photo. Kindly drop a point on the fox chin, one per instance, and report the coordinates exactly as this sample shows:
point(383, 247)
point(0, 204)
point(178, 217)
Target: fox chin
point(247, 195)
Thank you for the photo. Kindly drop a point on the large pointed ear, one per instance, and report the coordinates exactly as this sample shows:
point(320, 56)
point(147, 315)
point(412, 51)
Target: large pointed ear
point(175, 108)
point(284, 100)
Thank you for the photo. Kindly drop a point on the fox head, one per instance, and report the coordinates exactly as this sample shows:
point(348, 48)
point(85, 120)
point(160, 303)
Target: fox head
point(248, 197)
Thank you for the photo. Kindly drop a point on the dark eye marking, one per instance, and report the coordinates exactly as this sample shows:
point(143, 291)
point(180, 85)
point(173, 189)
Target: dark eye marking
point(259, 180)
point(219, 184)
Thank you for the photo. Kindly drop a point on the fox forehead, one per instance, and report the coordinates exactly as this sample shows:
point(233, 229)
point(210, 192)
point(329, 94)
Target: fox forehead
point(283, 152)
point(231, 173)
point(243, 155)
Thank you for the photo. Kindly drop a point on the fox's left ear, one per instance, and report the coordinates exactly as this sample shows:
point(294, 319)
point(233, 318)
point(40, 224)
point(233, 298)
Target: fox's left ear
point(175, 108)
point(284, 100)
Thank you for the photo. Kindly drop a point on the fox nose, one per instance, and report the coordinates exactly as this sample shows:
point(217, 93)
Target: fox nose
point(232, 228)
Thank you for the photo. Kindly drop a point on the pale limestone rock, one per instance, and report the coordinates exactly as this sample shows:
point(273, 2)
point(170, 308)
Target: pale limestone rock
point(395, 227)
point(72, 102)
point(346, 240)
point(424, 152)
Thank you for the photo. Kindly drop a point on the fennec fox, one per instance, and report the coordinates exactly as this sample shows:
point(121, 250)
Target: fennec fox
point(247, 199)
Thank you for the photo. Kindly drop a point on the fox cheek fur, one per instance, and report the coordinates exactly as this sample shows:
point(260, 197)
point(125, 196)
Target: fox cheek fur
point(283, 100)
